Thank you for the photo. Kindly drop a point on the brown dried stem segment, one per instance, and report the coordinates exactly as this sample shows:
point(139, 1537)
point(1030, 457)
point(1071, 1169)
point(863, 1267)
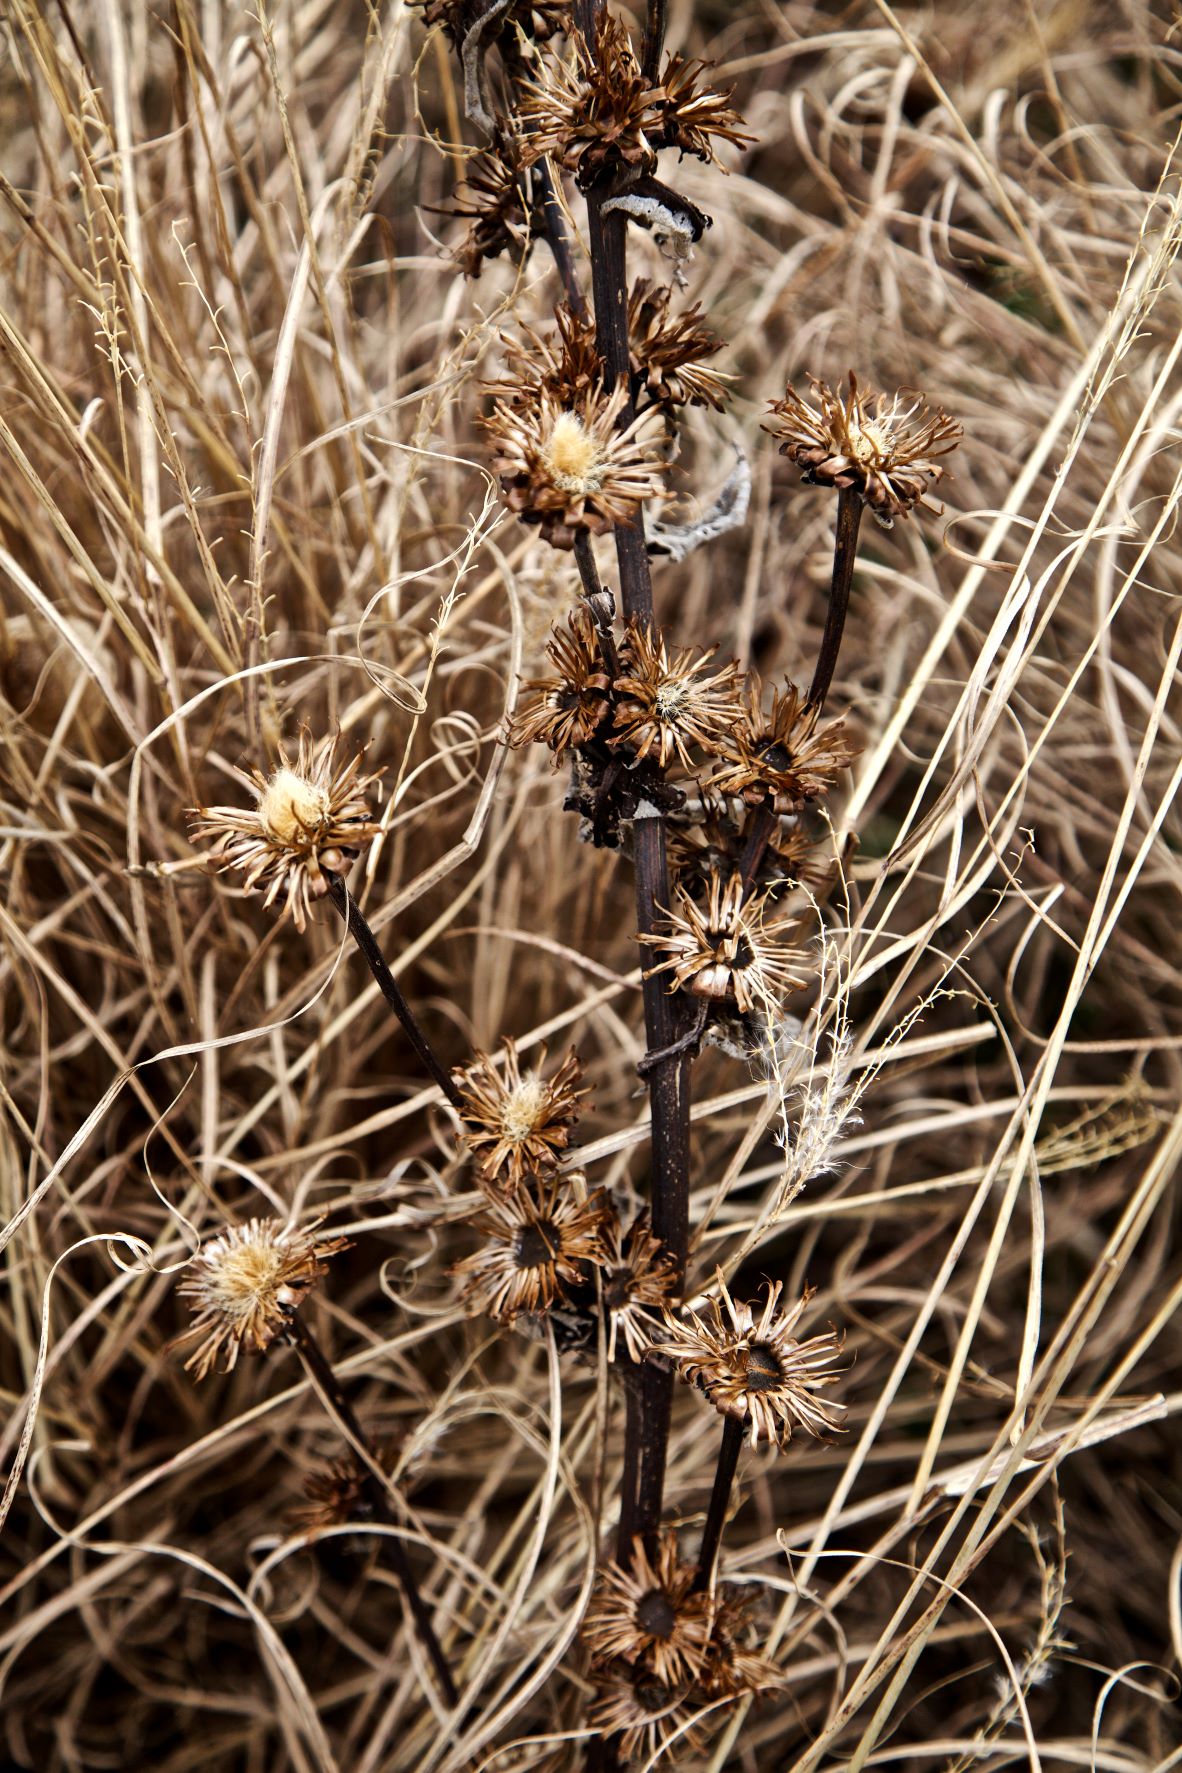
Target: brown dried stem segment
point(366, 941)
point(327, 1388)
point(845, 550)
point(720, 1496)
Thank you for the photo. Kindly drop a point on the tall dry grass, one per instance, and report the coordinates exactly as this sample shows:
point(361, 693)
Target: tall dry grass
point(242, 491)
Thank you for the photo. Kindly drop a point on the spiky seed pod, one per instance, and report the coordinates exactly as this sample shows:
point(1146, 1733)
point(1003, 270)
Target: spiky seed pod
point(638, 1277)
point(755, 1369)
point(667, 353)
point(311, 815)
point(666, 704)
point(245, 1285)
point(518, 1121)
point(342, 1491)
point(728, 950)
point(690, 117)
point(572, 705)
point(536, 1238)
point(589, 115)
point(492, 201)
point(886, 451)
point(732, 1670)
point(645, 1714)
point(712, 842)
point(785, 758)
point(646, 1612)
point(570, 470)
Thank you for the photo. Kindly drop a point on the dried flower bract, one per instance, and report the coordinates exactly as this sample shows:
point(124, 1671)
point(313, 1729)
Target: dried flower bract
point(666, 704)
point(668, 352)
point(727, 949)
point(688, 116)
point(785, 757)
point(518, 1121)
point(536, 1237)
point(755, 1368)
point(639, 1277)
point(589, 115)
point(573, 705)
point(647, 1613)
point(886, 451)
point(245, 1285)
point(311, 815)
point(645, 1713)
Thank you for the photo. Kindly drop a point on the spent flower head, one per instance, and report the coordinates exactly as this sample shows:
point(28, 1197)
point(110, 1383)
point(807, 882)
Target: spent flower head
point(645, 1714)
point(728, 948)
point(755, 1368)
point(491, 200)
point(783, 758)
point(310, 815)
point(568, 468)
point(245, 1285)
point(537, 1237)
point(688, 116)
point(588, 113)
point(667, 703)
point(639, 1276)
point(573, 705)
point(669, 352)
point(647, 1613)
point(517, 1121)
point(883, 449)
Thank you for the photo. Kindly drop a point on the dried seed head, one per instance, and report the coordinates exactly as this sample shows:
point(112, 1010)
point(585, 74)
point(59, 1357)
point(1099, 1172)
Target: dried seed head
point(518, 1121)
point(589, 114)
point(754, 1368)
point(646, 1613)
point(572, 705)
point(885, 451)
point(644, 1713)
point(537, 1237)
point(667, 704)
point(783, 758)
point(245, 1285)
point(569, 470)
point(564, 364)
point(339, 1493)
point(538, 19)
point(492, 201)
point(639, 1276)
point(684, 115)
point(311, 814)
point(728, 949)
point(668, 353)
point(732, 1670)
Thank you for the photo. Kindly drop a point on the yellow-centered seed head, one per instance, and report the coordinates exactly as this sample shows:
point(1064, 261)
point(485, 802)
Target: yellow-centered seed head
point(292, 809)
point(572, 456)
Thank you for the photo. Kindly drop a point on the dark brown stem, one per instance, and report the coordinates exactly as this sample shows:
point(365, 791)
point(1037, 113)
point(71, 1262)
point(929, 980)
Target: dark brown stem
point(558, 237)
point(654, 38)
point(327, 1388)
point(845, 550)
point(365, 939)
point(599, 601)
point(763, 826)
point(720, 1497)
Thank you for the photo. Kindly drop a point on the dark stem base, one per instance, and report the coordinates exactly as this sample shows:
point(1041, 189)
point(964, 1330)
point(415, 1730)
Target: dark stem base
point(720, 1497)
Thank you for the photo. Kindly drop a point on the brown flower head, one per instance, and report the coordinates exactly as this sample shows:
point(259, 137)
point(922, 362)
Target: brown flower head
point(568, 468)
point(754, 1368)
point(668, 353)
point(646, 1613)
point(644, 1713)
point(885, 451)
point(728, 949)
point(709, 840)
point(638, 1276)
point(245, 1285)
point(339, 1493)
point(665, 704)
point(311, 815)
point(732, 1670)
point(518, 1121)
point(690, 117)
point(492, 201)
point(574, 704)
point(784, 757)
point(536, 1237)
point(589, 114)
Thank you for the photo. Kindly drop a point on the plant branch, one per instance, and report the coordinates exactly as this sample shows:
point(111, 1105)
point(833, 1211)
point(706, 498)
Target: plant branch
point(845, 550)
point(720, 1496)
point(366, 941)
point(325, 1384)
point(654, 38)
point(558, 237)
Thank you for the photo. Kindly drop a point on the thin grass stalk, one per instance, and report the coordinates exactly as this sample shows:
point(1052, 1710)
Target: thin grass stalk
point(845, 551)
point(366, 941)
point(327, 1388)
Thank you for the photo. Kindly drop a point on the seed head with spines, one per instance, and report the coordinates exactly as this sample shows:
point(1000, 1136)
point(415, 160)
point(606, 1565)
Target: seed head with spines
point(245, 1284)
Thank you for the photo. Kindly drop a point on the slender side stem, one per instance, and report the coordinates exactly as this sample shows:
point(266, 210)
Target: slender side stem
point(558, 237)
point(654, 38)
point(365, 939)
point(845, 549)
point(720, 1496)
point(599, 601)
point(754, 850)
point(327, 1388)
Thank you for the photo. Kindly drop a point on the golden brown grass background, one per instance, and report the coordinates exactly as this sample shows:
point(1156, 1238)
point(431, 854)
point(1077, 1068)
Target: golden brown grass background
point(242, 490)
